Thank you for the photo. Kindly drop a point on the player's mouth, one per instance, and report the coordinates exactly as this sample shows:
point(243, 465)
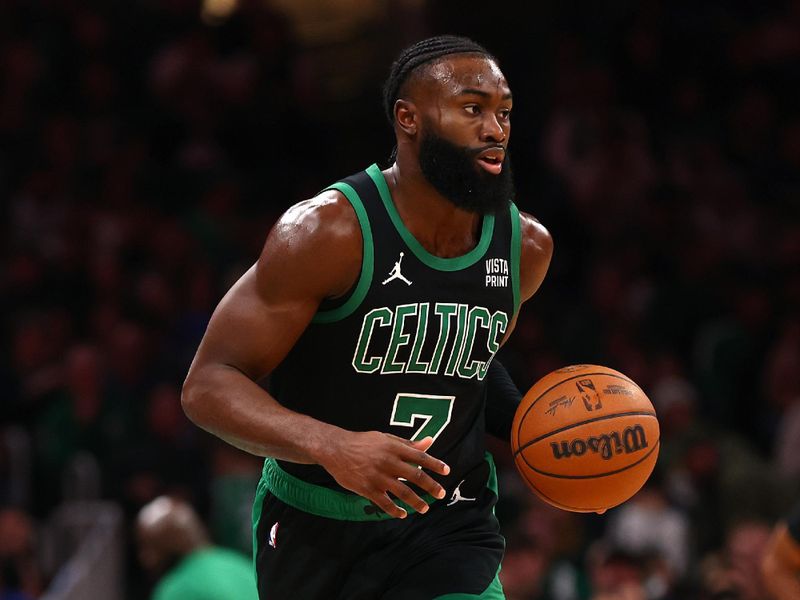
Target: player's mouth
point(491, 159)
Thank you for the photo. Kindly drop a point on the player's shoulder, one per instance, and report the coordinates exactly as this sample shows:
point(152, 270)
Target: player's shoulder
point(535, 237)
point(326, 221)
point(328, 214)
point(317, 241)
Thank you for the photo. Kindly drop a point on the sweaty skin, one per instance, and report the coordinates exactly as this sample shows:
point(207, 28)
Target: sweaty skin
point(313, 253)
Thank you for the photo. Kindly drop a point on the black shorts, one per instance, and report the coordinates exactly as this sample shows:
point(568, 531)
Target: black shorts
point(453, 551)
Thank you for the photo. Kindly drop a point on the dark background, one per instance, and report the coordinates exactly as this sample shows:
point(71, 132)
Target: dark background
point(146, 148)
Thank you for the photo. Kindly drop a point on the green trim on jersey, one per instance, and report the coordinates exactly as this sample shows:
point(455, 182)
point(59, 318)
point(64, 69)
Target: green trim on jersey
point(322, 501)
point(516, 248)
point(367, 260)
point(435, 262)
point(491, 482)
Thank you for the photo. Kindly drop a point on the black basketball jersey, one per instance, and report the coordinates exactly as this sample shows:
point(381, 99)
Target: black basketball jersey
point(407, 349)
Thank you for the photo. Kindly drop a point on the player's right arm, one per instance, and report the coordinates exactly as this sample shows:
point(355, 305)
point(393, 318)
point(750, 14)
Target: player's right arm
point(312, 253)
point(780, 565)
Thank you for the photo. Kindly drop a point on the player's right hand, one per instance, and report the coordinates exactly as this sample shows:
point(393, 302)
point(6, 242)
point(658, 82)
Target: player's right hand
point(373, 464)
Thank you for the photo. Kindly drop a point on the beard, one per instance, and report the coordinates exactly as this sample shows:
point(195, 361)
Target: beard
point(452, 171)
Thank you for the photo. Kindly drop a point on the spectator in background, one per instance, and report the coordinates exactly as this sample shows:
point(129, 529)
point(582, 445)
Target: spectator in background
point(234, 479)
point(524, 567)
point(557, 538)
point(615, 574)
point(174, 547)
point(782, 392)
point(164, 460)
point(81, 418)
point(20, 575)
point(735, 570)
point(781, 562)
point(647, 524)
point(787, 443)
point(74, 418)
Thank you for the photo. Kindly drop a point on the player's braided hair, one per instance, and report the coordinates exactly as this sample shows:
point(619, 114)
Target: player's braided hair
point(421, 53)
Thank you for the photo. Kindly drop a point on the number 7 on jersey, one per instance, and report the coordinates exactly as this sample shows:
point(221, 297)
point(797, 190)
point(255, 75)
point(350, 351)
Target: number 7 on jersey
point(435, 412)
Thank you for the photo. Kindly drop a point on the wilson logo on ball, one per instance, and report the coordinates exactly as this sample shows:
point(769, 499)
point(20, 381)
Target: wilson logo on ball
point(631, 440)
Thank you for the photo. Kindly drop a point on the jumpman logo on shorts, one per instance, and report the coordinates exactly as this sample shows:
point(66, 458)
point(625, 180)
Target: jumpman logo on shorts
point(457, 497)
point(395, 272)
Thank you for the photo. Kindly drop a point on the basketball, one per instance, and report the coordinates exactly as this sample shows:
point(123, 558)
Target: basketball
point(585, 438)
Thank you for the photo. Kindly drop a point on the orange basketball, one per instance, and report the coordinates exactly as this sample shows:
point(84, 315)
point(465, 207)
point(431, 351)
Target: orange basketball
point(585, 438)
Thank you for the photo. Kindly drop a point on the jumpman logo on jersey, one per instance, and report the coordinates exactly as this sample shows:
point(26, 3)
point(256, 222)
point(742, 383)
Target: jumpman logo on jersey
point(395, 272)
point(457, 497)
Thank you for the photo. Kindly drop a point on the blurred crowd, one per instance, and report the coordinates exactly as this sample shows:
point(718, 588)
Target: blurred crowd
point(147, 147)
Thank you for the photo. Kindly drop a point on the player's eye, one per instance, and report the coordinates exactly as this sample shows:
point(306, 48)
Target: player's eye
point(473, 109)
point(505, 113)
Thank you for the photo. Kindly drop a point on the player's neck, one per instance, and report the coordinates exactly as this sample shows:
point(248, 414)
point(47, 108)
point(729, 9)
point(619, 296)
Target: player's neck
point(440, 226)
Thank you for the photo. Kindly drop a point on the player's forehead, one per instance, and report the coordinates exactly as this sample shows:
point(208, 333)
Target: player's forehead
point(454, 74)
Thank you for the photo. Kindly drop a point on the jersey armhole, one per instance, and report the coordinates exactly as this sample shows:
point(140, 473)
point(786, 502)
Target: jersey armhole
point(367, 260)
point(516, 248)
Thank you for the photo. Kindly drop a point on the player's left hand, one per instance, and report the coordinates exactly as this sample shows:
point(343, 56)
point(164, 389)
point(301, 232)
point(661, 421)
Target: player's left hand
point(374, 465)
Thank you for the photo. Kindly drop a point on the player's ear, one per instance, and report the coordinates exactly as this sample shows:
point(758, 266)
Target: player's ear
point(406, 116)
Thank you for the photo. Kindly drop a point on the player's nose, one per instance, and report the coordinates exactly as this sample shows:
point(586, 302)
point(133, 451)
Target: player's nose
point(492, 130)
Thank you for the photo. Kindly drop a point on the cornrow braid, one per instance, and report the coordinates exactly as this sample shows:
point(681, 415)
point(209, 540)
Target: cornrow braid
point(421, 53)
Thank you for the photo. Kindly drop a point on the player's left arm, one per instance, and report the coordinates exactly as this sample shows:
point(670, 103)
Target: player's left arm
point(503, 396)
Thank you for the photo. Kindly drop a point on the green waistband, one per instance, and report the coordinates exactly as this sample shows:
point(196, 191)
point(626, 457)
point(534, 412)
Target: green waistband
point(333, 504)
point(322, 501)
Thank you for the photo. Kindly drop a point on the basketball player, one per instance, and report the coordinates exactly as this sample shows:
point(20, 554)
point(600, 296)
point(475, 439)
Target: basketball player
point(377, 308)
point(781, 562)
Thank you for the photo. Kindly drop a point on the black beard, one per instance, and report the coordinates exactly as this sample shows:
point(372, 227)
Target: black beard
point(452, 171)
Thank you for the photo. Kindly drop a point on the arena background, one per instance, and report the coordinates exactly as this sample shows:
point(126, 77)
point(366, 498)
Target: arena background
point(147, 146)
